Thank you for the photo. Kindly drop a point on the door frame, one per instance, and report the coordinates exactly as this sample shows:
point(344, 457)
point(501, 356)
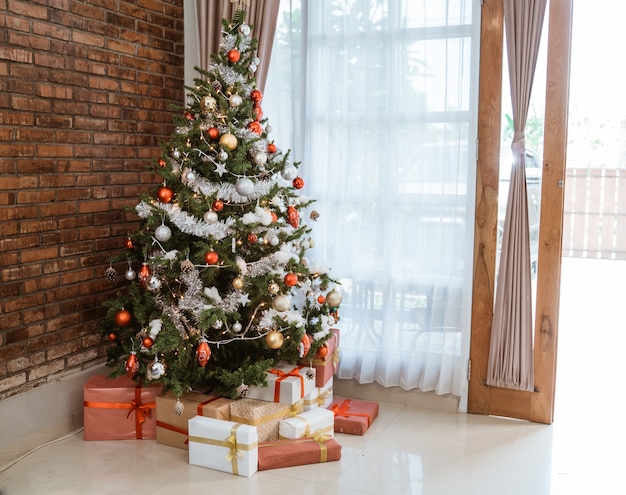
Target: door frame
point(537, 406)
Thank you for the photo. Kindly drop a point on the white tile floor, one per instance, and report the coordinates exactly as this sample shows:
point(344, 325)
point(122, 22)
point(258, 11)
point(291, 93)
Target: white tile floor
point(406, 450)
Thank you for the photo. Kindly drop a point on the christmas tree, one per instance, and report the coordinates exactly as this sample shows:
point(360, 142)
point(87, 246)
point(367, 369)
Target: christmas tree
point(224, 290)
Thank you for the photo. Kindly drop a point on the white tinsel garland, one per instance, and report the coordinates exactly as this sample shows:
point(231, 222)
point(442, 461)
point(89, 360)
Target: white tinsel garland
point(188, 223)
point(224, 190)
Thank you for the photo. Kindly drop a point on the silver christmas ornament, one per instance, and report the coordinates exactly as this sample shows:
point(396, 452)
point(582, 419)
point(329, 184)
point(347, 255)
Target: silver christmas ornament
point(222, 156)
point(210, 217)
point(260, 158)
point(235, 100)
point(244, 186)
point(130, 274)
point(237, 327)
point(155, 371)
point(190, 176)
point(163, 233)
point(289, 172)
point(153, 283)
point(244, 29)
point(176, 154)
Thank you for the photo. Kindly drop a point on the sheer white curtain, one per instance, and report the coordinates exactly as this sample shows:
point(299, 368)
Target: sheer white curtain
point(377, 98)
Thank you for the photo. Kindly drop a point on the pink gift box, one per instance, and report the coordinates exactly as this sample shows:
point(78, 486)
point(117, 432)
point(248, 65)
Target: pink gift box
point(325, 367)
point(353, 416)
point(119, 409)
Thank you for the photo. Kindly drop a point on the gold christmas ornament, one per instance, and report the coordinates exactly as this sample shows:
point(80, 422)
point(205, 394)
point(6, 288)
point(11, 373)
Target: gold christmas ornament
point(273, 288)
point(281, 303)
point(237, 283)
point(208, 103)
point(228, 141)
point(274, 339)
point(333, 298)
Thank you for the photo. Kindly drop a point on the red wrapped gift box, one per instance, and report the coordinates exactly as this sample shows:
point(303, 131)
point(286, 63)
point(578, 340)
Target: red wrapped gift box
point(353, 416)
point(286, 453)
point(119, 409)
point(325, 367)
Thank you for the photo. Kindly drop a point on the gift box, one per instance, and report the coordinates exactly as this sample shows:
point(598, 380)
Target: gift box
point(319, 397)
point(171, 423)
point(325, 366)
point(263, 414)
point(286, 453)
point(311, 423)
point(118, 409)
point(286, 384)
point(353, 416)
point(223, 445)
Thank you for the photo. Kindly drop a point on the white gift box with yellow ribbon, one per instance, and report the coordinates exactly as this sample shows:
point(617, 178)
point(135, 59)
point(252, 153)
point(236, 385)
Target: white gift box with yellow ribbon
point(223, 445)
point(319, 397)
point(286, 384)
point(312, 423)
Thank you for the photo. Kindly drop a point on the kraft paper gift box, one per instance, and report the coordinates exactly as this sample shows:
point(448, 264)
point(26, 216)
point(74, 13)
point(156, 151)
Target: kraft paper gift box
point(311, 423)
point(119, 409)
point(171, 428)
point(223, 445)
point(263, 414)
point(320, 397)
point(353, 416)
point(286, 453)
point(325, 367)
point(286, 384)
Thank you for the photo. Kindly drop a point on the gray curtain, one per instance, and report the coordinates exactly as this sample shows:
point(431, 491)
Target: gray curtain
point(261, 15)
point(511, 350)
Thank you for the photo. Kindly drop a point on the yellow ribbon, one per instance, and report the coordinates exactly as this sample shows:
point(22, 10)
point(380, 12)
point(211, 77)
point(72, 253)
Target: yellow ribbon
point(277, 416)
point(319, 438)
point(235, 450)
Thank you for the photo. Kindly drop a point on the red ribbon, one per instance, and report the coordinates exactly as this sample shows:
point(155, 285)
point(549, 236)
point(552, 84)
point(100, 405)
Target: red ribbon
point(140, 410)
point(202, 404)
point(342, 410)
point(282, 375)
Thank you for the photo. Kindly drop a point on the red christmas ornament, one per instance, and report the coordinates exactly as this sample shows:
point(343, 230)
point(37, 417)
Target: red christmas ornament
point(162, 163)
point(132, 365)
point(234, 55)
point(122, 318)
point(256, 95)
point(203, 353)
point(144, 272)
point(321, 299)
point(274, 217)
point(214, 133)
point(112, 336)
point(147, 342)
point(255, 127)
point(322, 352)
point(271, 148)
point(252, 238)
point(298, 183)
point(190, 116)
point(305, 345)
point(293, 217)
point(165, 194)
point(128, 244)
point(291, 279)
point(218, 205)
point(257, 111)
point(211, 258)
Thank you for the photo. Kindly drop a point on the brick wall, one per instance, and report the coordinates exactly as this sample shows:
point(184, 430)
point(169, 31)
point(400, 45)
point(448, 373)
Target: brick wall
point(85, 93)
